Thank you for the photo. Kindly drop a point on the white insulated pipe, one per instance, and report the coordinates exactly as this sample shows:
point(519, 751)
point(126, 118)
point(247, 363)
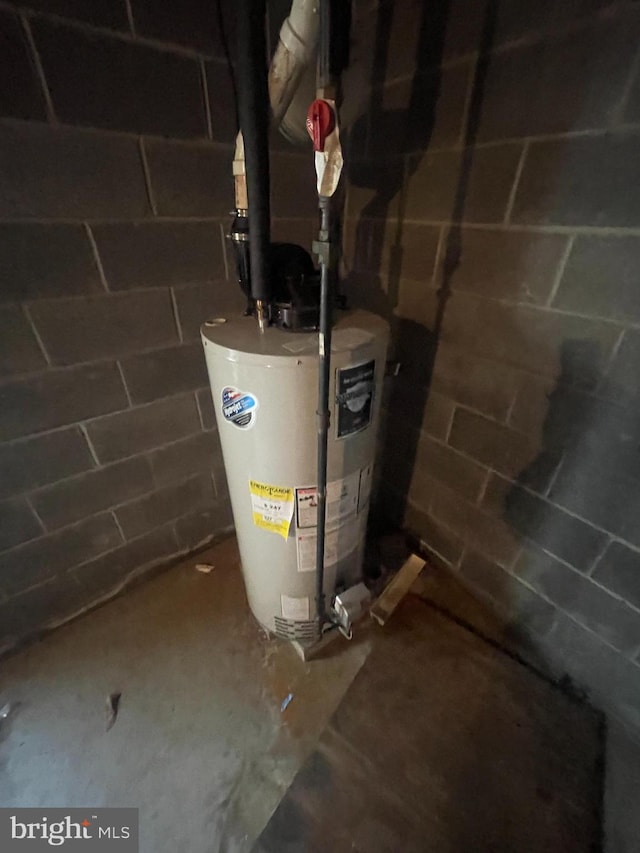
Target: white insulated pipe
point(296, 48)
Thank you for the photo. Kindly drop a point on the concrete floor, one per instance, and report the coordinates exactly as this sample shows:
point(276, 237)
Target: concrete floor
point(199, 733)
point(445, 744)
point(200, 744)
point(621, 815)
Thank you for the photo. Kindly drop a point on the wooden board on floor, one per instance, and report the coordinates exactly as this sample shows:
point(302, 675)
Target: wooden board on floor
point(397, 588)
point(444, 743)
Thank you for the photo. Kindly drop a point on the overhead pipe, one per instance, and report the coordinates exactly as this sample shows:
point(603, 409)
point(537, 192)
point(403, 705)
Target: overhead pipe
point(294, 124)
point(296, 48)
point(253, 115)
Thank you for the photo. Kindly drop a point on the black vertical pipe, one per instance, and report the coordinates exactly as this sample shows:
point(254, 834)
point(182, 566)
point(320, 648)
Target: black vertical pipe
point(253, 115)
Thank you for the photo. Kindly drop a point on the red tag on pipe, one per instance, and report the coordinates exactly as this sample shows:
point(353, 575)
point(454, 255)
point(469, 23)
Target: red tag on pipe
point(320, 123)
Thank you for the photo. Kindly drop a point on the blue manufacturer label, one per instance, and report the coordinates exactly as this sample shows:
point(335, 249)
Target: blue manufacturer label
point(239, 407)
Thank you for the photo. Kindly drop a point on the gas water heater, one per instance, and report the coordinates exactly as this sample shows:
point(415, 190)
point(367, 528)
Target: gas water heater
point(264, 387)
point(296, 382)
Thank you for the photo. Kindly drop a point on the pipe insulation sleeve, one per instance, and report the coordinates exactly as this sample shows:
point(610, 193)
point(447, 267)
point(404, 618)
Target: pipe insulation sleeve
point(299, 33)
point(253, 113)
point(293, 125)
point(296, 47)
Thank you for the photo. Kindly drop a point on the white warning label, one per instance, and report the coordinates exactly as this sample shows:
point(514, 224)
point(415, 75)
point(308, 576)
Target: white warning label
point(338, 543)
point(295, 608)
point(342, 501)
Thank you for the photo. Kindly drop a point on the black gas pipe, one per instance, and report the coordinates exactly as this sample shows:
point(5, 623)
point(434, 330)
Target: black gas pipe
point(253, 116)
point(323, 247)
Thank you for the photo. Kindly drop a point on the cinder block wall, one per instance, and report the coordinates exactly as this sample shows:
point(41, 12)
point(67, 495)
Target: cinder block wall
point(494, 217)
point(117, 120)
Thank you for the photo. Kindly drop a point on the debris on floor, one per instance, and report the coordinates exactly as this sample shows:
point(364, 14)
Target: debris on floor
point(286, 702)
point(205, 568)
point(113, 704)
point(5, 711)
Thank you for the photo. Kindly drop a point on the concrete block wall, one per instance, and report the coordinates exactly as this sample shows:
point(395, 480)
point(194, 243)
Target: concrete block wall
point(117, 123)
point(493, 216)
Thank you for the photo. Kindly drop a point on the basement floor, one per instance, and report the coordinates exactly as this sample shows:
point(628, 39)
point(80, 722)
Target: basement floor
point(421, 737)
point(200, 744)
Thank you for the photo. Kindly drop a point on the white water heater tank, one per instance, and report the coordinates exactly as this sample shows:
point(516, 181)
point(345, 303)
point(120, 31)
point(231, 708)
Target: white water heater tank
point(264, 388)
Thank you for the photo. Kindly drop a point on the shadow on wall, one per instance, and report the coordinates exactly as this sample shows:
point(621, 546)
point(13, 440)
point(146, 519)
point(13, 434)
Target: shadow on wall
point(543, 517)
point(588, 463)
point(385, 149)
point(388, 172)
point(565, 425)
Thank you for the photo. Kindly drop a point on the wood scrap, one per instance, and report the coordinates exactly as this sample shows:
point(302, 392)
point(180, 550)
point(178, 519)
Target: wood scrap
point(396, 589)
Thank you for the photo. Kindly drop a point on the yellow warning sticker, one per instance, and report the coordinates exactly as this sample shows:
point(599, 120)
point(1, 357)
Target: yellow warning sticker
point(272, 507)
